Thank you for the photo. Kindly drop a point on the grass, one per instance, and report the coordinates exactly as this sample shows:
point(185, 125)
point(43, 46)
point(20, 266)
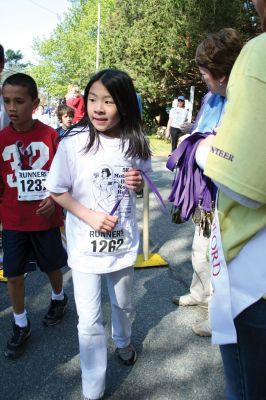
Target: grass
point(159, 147)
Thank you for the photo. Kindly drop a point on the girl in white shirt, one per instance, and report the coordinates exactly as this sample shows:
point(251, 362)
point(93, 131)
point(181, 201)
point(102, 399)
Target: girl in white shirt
point(108, 139)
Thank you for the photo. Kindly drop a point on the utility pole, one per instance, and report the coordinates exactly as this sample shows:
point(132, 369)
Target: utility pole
point(98, 37)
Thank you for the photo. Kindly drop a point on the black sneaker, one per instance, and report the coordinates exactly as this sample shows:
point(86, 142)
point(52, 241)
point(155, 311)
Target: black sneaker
point(56, 312)
point(127, 354)
point(16, 345)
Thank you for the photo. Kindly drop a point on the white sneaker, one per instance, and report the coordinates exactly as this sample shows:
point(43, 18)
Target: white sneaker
point(188, 300)
point(202, 328)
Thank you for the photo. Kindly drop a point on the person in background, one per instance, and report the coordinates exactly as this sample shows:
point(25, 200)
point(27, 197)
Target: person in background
point(54, 122)
point(75, 100)
point(4, 121)
point(65, 115)
point(41, 116)
point(31, 220)
point(215, 57)
point(235, 160)
point(98, 158)
point(177, 116)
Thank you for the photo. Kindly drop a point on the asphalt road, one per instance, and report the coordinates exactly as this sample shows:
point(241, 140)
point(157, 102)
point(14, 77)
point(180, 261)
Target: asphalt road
point(173, 363)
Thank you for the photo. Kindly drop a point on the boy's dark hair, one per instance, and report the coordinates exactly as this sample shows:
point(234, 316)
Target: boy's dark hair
point(64, 109)
point(218, 52)
point(25, 81)
point(121, 88)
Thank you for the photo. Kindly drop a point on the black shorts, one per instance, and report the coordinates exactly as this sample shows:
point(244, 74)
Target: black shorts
point(21, 248)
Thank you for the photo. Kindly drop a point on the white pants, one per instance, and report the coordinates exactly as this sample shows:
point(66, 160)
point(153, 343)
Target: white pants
point(200, 287)
point(92, 339)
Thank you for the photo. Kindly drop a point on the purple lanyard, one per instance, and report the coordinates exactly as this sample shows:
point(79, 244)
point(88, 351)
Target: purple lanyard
point(152, 188)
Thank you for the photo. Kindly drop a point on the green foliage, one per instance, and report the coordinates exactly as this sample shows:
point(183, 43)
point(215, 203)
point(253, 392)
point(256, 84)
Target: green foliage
point(69, 55)
point(13, 60)
point(153, 40)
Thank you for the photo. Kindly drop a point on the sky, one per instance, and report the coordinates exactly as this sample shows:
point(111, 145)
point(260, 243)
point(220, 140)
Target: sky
point(21, 20)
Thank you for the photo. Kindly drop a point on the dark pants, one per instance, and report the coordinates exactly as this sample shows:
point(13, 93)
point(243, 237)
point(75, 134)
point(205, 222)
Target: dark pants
point(244, 362)
point(175, 135)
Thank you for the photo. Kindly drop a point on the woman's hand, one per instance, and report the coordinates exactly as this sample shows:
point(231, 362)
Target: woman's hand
point(46, 208)
point(134, 180)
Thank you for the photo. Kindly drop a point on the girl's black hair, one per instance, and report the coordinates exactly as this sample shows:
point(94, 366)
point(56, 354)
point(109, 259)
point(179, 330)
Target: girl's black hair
point(121, 88)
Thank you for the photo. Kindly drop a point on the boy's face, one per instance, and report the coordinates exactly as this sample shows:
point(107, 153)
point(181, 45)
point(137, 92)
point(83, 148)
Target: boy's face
point(67, 121)
point(19, 106)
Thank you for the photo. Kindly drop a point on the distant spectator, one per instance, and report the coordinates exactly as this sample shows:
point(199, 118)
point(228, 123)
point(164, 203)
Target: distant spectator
point(75, 100)
point(46, 109)
point(3, 115)
point(54, 122)
point(65, 115)
point(139, 103)
point(4, 120)
point(177, 117)
point(41, 116)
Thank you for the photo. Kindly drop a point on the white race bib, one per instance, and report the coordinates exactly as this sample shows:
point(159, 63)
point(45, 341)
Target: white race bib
point(107, 243)
point(31, 184)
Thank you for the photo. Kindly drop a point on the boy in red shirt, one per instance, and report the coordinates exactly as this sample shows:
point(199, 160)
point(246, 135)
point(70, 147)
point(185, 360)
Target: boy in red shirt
point(31, 221)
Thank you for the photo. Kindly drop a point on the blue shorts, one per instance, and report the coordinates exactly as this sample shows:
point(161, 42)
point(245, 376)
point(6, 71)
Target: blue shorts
point(22, 249)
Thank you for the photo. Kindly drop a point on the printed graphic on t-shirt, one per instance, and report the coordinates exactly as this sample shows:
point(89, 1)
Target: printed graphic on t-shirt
point(107, 189)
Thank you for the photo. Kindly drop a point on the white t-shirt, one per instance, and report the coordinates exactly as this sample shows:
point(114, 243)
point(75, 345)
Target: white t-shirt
point(179, 116)
point(96, 179)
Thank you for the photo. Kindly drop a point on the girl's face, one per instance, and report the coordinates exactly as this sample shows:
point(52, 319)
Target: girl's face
point(212, 83)
point(67, 120)
point(102, 110)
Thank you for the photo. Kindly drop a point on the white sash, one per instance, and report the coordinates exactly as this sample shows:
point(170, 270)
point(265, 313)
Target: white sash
point(236, 287)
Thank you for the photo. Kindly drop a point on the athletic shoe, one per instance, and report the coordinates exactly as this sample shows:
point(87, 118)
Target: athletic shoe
point(16, 345)
point(55, 312)
point(203, 328)
point(127, 354)
point(187, 300)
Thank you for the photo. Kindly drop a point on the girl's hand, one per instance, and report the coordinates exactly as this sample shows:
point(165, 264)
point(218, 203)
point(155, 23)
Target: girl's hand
point(100, 221)
point(46, 207)
point(134, 180)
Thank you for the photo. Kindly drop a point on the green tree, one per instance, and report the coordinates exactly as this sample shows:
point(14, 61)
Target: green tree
point(13, 60)
point(69, 55)
point(155, 41)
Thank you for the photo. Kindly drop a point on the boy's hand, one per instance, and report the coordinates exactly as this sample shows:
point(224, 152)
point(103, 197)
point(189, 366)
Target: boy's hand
point(100, 221)
point(46, 207)
point(134, 180)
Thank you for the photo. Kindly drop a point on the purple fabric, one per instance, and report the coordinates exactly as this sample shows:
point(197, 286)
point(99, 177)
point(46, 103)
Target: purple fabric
point(152, 188)
point(190, 184)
